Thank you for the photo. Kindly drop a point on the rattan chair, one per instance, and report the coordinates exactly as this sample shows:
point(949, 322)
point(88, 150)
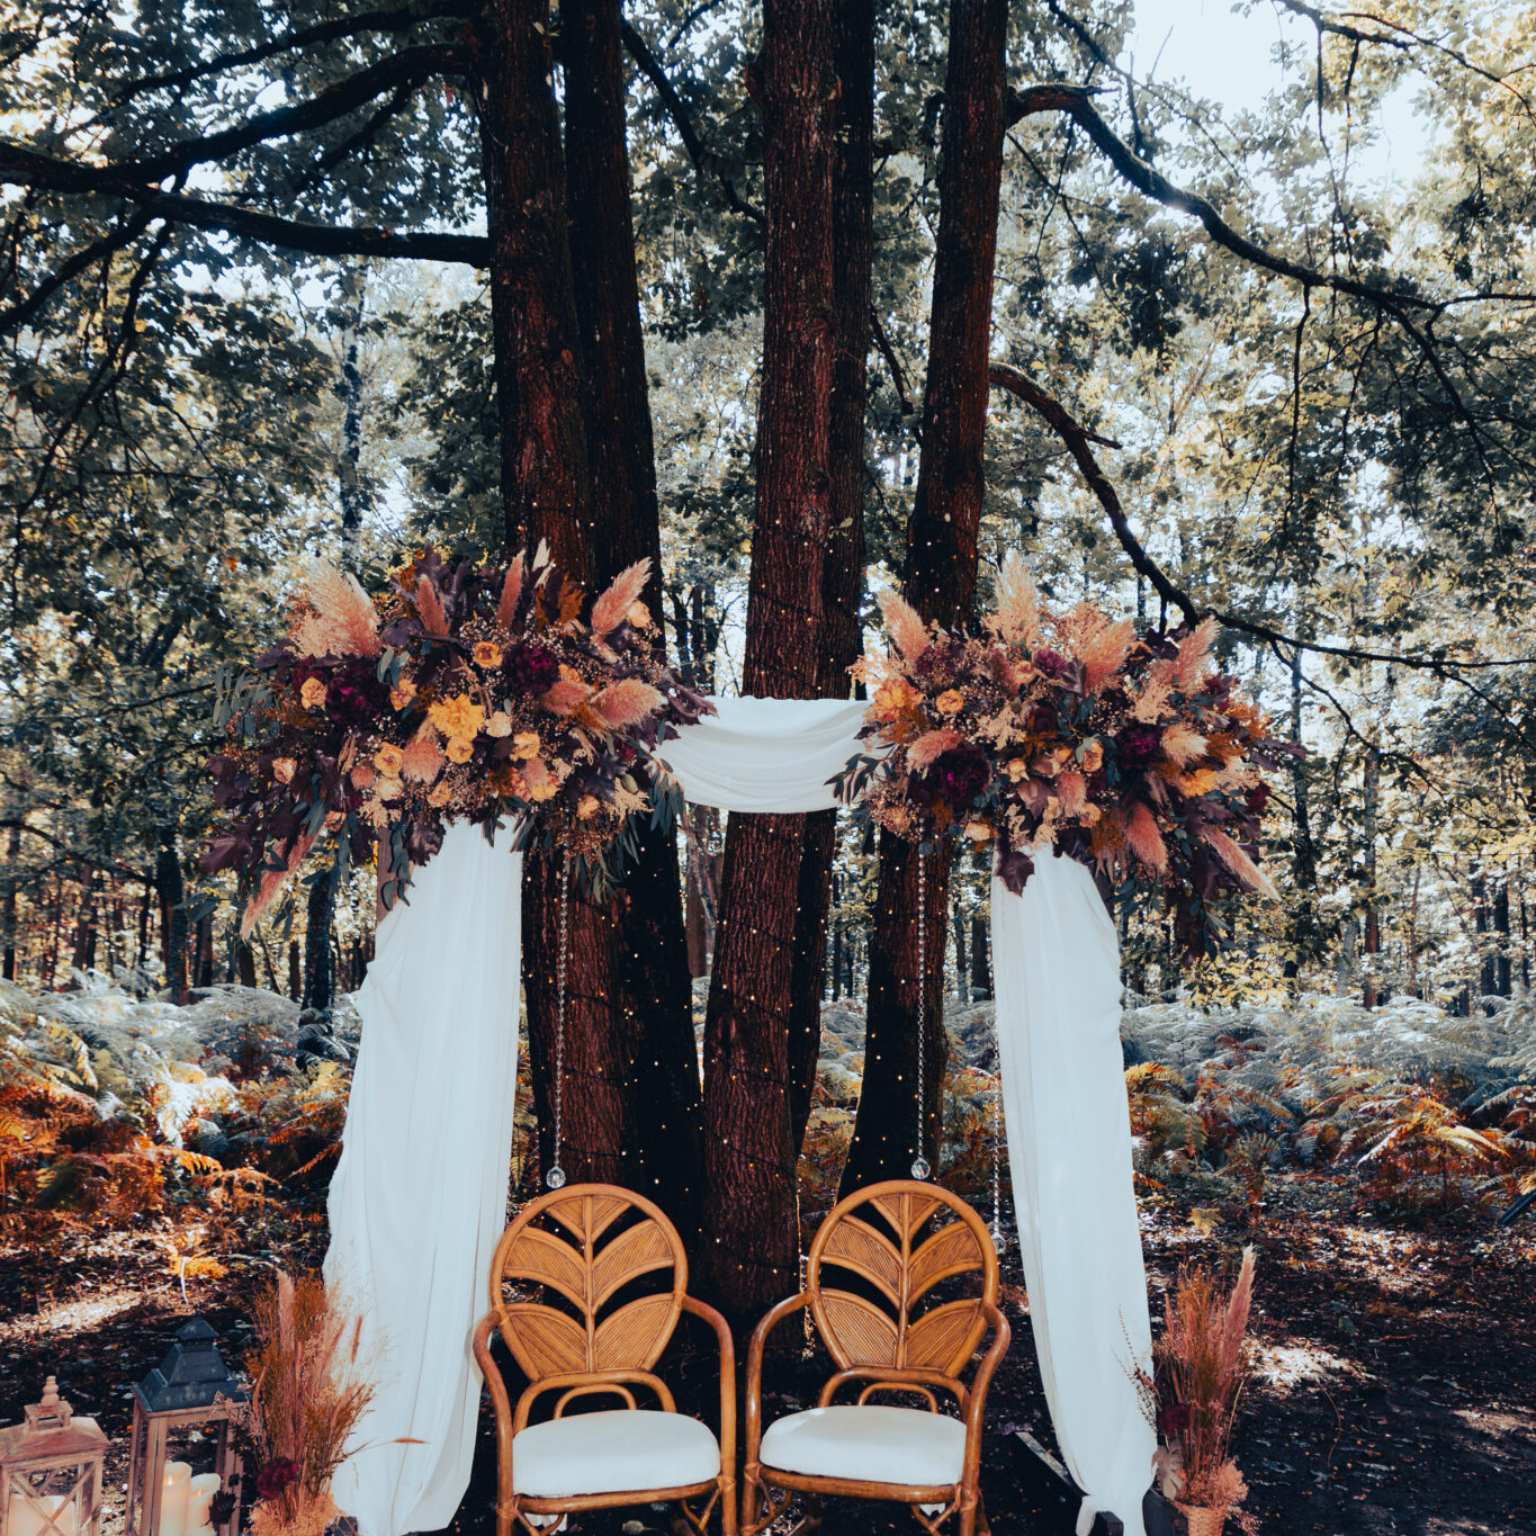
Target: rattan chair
point(586, 1288)
point(888, 1246)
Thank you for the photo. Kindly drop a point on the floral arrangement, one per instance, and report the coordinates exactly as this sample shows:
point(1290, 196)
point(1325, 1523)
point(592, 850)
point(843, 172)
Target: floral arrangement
point(1066, 732)
point(308, 1393)
point(459, 691)
point(1202, 1362)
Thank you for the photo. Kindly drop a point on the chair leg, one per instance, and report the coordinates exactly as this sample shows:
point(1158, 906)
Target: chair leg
point(727, 1506)
point(749, 1501)
point(969, 1504)
point(983, 1525)
point(812, 1520)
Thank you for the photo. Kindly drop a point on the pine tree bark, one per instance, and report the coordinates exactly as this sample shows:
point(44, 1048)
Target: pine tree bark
point(648, 939)
point(940, 582)
point(751, 1155)
point(173, 916)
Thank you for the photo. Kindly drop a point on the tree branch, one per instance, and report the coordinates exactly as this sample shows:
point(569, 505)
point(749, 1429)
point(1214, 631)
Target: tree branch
point(333, 101)
point(400, 20)
point(1078, 439)
point(703, 158)
point(888, 352)
point(25, 167)
point(14, 318)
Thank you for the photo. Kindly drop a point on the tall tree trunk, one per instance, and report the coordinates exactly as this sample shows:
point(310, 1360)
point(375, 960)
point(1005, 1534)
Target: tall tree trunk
point(842, 579)
point(1371, 942)
point(981, 967)
point(940, 582)
point(354, 500)
point(1304, 850)
point(654, 987)
point(173, 915)
point(319, 968)
point(85, 926)
point(962, 977)
point(295, 972)
point(751, 1198)
point(1502, 966)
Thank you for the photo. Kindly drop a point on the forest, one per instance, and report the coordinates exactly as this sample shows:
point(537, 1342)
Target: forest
point(807, 303)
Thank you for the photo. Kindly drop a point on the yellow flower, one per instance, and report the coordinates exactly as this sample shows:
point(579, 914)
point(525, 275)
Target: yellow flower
point(487, 654)
point(283, 769)
point(460, 749)
point(1091, 755)
point(500, 724)
point(1017, 769)
point(547, 789)
point(525, 745)
point(458, 716)
point(978, 832)
point(390, 760)
point(333, 819)
point(440, 797)
point(389, 789)
point(402, 693)
point(639, 615)
point(950, 702)
point(588, 807)
point(312, 694)
point(895, 698)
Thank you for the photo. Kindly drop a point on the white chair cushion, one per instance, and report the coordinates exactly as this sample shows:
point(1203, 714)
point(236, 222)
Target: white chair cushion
point(619, 1450)
point(869, 1444)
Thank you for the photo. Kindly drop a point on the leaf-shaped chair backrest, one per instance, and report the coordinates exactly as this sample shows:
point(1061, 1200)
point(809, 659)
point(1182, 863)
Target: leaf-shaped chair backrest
point(585, 1244)
point(896, 1242)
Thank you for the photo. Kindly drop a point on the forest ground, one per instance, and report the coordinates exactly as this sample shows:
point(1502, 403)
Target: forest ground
point(1397, 1390)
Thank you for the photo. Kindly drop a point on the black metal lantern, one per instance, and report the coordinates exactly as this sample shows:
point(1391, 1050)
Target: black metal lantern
point(191, 1386)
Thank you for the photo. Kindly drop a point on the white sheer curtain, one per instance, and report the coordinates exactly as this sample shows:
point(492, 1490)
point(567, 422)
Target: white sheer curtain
point(419, 1197)
point(1056, 970)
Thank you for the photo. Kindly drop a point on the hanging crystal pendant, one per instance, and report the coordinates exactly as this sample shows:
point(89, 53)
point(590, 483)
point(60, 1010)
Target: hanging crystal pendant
point(555, 1178)
point(920, 1168)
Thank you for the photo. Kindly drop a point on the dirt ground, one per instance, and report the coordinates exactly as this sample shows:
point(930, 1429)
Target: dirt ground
point(1397, 1391)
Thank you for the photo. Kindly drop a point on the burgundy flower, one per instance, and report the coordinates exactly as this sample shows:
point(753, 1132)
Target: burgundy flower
point(354, 695)
point(1172, 1419)
point(1049, 663)
point(279, 1473)
point(1258, 798)
point(1044, 721)
point(955, 777)
point(530, 669)
point(1140, 745)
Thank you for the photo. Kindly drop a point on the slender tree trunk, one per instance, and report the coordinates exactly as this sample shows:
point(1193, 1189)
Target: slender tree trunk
point(962, 987)
point(654, 987)
point(751, 1198)
point(295, 972)
point(1371, 943)
point(1502, 966)
point(173, 915)
point(981, 965)
point(1304, 851)
point(319, 968)
point(354, 500)
point(940, 582)
point(9, 917)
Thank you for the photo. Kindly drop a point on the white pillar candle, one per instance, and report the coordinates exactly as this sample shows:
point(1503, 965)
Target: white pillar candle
point(174, 1500)
point(26, 1519)
point(203, 1488)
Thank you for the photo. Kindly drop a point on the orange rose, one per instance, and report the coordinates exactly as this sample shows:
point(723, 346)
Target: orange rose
point(312, 694)
point(283, 769)
point(402, 693)
point(487, 654)
point(950, 702)
point(525, 745)
point(440, 797)
point(390, 760)
point(1091, 756)
point(588, 807)
point(460, 749)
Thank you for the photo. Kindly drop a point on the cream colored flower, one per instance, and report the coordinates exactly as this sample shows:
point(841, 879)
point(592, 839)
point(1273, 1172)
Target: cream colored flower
point(588, 807)
point(979, 832)
point(389, 759)
point(1016, 769)
point(389, 789)
point(312, 694)
point(460, 749)
point(440, 797)
point(525, 745)
point(283, 769)
point(500, 724)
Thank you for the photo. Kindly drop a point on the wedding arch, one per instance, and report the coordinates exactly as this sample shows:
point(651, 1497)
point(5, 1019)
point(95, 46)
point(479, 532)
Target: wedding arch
point(462, 694)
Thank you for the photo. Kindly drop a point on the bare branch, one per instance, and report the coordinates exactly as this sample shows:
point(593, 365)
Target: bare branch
point(14, 318)
point(24, 167)
point(888, 352)
point(703, 158)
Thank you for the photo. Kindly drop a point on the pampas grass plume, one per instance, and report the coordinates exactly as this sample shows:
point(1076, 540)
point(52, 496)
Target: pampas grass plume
point(272, 881)
point(929, 746)
point(1145, 841)
point(907, 631)
point(511, 590)
point(344, 621)
point(430, 608)
point(1232, 855)
point(609, 611)
point(1018, 609)
point(627, 702)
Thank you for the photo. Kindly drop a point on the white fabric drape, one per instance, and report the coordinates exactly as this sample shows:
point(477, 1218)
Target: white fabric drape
point(419, 1196)
point(1056, 970)
point(766, 754)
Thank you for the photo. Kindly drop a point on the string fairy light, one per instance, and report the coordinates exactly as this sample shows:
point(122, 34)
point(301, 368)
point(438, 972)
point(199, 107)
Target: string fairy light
point(920, 1168)
point(555, 1178)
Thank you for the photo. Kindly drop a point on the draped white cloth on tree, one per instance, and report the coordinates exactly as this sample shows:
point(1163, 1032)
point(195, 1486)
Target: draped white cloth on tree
point(419, 1196)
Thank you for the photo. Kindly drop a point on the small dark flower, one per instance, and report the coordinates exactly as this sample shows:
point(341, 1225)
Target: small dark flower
point(221, 1507)
point(1140, 745)
point(1044, 721)
point(1049, 663)
point(530, 669)
point(1258, 798)
point(955, 777)
point(1172, 1419)
point(279, 1473)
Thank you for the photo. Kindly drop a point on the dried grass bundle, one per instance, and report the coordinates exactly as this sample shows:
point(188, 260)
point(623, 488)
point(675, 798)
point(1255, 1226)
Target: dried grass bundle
point(1018, 609)
point(1203, 1363)
point(342, 620)
point(611, 609)
point(627, 702)
point(272, 881)
point(309, 1389)
point(904, 625)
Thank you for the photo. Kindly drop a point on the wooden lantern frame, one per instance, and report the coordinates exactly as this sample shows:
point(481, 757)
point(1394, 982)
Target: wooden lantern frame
point(51, 1440)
